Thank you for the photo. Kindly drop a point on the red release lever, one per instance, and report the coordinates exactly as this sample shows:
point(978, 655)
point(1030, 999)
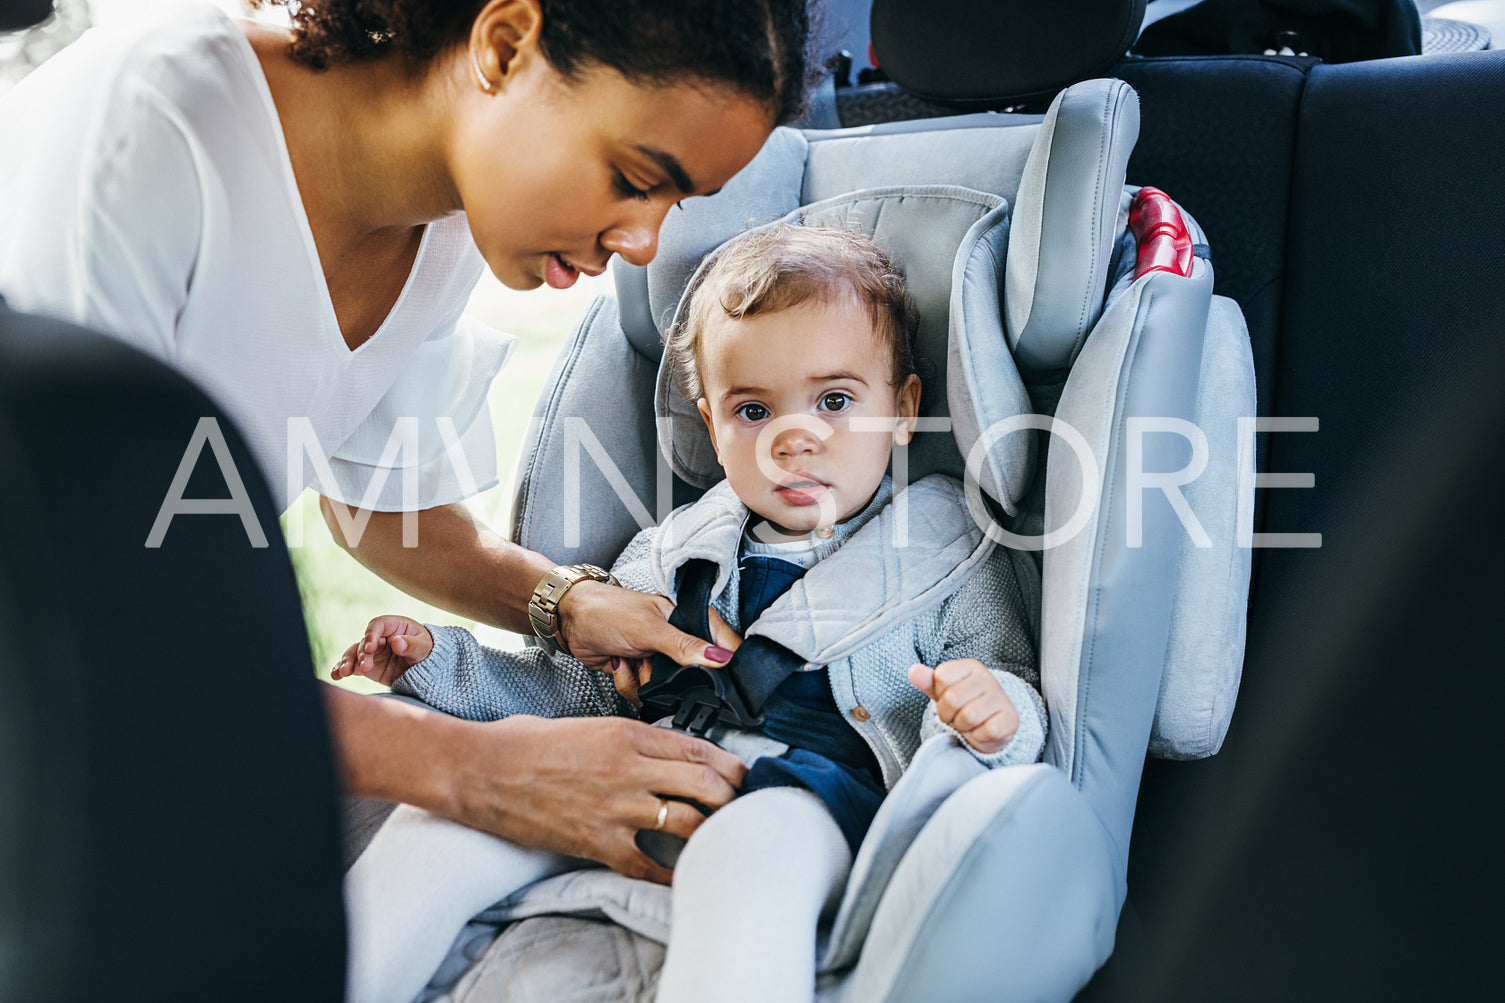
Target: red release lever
point(1165, 243)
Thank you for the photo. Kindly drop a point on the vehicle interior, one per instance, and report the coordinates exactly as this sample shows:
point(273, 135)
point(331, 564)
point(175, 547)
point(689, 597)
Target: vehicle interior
point(1337, 163)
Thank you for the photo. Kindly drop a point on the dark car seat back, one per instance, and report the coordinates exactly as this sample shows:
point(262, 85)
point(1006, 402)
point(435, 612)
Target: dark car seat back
point(167, 803)
point(975, 55)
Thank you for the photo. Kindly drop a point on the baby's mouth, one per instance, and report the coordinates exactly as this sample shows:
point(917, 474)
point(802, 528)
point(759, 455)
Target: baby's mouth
point(802, 489)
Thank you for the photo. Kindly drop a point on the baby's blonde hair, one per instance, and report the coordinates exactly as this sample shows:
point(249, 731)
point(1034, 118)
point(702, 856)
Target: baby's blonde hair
point(782, 267)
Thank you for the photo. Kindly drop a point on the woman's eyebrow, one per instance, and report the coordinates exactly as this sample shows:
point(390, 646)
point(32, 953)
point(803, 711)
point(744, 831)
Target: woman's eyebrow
point(671, 166)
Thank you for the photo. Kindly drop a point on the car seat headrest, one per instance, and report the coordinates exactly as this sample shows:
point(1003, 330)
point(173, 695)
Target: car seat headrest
point(979, 54)
point(1064, 174)
point(920, 228)
point(1069, 209)
point(1063, 171)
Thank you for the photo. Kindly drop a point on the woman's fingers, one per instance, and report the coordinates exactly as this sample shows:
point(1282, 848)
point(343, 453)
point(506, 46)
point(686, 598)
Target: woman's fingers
point(721, 634)
point(685, 648)
point(690, 767)
point(680, 819)
point(586, 786)
point(624, 676)
point(601, 621)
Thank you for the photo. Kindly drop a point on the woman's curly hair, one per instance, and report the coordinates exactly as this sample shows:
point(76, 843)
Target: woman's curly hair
point(758, 47)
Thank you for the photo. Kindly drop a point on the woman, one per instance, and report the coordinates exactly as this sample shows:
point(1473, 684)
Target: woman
point(278, 214)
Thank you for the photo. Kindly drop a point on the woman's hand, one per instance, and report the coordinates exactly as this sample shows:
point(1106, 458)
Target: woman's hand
point(585, 786)
point(579, 786)
point(392, 645)
point(619, 630)
point(631, 674)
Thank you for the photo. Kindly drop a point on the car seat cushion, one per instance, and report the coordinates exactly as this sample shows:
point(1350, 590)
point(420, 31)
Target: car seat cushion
point(983, 387)
point(1107, 604)
point(1205, 655)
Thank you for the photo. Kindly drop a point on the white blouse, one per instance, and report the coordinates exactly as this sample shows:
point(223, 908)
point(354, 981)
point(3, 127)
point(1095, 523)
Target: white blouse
point(146, 192)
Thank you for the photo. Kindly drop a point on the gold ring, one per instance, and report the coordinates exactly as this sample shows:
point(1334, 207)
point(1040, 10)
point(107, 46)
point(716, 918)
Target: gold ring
point(663, 816)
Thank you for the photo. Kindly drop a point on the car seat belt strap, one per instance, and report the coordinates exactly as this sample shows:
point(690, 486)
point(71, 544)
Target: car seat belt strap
point(700, 697)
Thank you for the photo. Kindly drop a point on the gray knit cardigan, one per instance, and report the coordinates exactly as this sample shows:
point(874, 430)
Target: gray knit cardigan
point(910, 579)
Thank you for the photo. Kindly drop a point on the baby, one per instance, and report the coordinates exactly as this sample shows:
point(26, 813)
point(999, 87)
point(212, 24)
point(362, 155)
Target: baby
point(791, 335)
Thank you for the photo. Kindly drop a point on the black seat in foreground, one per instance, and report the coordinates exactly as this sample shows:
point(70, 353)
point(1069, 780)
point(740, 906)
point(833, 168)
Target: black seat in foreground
point(167, 804)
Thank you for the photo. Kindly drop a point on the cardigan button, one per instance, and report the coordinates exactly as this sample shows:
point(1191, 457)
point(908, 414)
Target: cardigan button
point(860, 713)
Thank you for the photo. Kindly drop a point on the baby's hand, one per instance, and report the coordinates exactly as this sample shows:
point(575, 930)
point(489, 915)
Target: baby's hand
point(970, 699)
point(392, 645)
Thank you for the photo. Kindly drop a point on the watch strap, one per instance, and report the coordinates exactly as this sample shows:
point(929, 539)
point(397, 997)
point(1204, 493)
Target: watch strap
point(543, 607)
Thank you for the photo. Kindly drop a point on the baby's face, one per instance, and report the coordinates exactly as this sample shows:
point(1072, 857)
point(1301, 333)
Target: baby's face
point(781, 392)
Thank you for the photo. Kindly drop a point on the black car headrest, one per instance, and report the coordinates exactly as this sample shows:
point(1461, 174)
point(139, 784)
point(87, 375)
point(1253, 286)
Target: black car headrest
point(982, 54)
point(18, 14)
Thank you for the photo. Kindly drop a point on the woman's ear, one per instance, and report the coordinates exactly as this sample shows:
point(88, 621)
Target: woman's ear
point(710, 426)
point(907, 409)
point(502, 33)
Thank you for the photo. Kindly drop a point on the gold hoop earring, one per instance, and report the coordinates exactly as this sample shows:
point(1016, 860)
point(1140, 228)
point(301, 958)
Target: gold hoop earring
point(481, 78)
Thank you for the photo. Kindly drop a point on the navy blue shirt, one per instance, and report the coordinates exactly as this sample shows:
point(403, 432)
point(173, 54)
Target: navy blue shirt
point(826, 756)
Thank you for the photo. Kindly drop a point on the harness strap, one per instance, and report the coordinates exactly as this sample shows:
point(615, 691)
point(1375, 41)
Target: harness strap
point(699, 696)
point(692, 609)
point(759, 666)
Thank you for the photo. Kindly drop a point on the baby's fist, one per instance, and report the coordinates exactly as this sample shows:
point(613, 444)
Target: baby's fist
point(971, 700)
point(391, 646)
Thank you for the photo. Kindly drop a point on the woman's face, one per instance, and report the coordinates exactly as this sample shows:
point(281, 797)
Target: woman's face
point(557, 176)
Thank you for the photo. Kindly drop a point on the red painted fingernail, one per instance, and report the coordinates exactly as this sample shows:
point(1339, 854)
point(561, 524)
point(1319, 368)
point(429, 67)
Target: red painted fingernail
point(717, 654)
point(615, 664)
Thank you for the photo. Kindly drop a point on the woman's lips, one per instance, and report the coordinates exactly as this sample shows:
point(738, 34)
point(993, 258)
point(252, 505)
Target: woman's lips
point(558, 273)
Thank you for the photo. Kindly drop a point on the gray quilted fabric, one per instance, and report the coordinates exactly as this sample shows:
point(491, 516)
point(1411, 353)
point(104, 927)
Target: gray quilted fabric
point(556, 959)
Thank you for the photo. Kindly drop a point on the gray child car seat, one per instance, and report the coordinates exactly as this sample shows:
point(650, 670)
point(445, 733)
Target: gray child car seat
point(1016, 236)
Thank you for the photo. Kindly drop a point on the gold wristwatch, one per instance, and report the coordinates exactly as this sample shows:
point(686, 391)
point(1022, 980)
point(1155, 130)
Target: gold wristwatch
point(543, 608)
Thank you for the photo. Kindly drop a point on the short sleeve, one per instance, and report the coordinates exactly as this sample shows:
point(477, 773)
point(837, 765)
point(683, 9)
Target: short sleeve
point(429, 441)
point(100, 217)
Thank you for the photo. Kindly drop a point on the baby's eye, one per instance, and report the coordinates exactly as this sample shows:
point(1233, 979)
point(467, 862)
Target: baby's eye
point(835, 402)
point(752, 412)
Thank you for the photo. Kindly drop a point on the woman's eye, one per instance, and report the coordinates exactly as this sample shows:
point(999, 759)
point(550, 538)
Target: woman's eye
point(752, 412)
point(835, 402)
point(630, 190)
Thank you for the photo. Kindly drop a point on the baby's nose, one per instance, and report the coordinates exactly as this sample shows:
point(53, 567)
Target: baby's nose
point(793, 441)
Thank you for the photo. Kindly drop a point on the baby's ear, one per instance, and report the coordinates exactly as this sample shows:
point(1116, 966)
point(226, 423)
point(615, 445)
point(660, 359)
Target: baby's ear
point(907, 409)
point(704, 407)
